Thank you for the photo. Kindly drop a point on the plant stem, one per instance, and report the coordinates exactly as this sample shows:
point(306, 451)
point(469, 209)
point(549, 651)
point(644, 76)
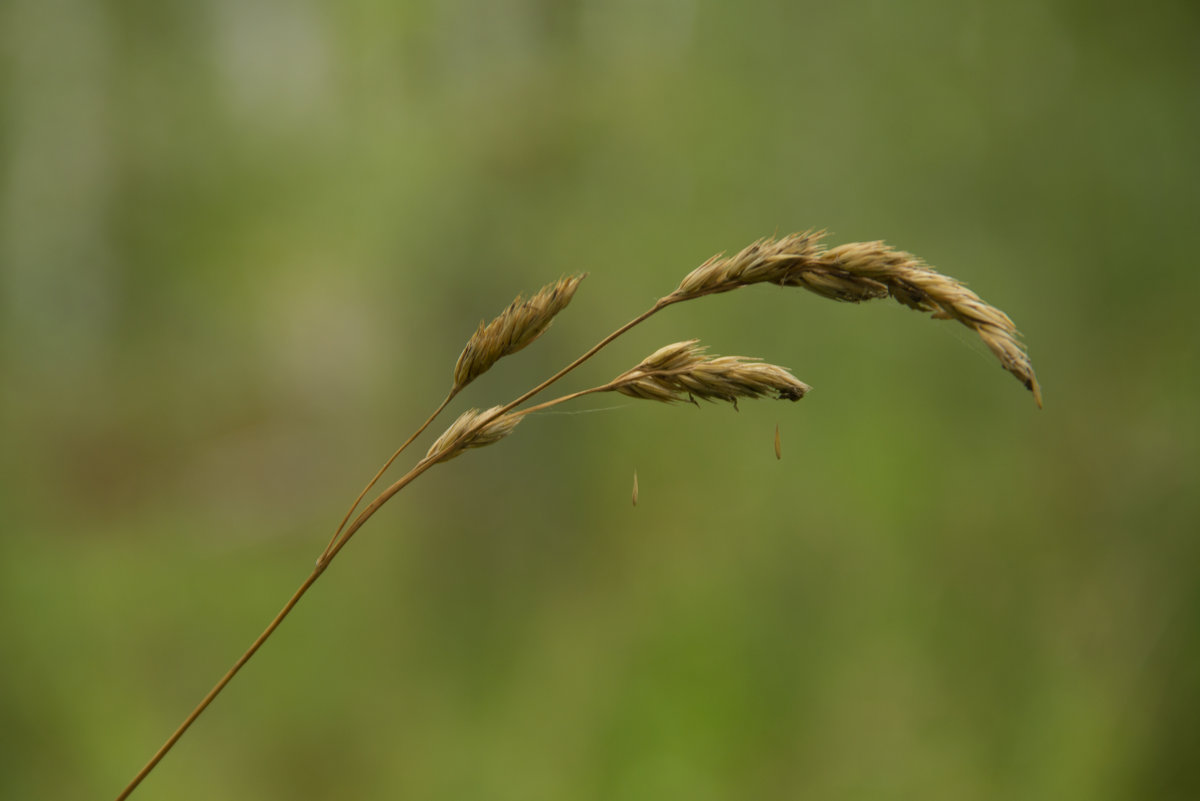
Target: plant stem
point(190, 719)
point(322, 563)
point(342, 536)
point(382, 470)
point(565, 398)
point(659, 305)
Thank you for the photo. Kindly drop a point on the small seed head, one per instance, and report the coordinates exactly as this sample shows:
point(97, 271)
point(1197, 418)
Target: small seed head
point(682, 372)
point(517, 326)
point(472, 429)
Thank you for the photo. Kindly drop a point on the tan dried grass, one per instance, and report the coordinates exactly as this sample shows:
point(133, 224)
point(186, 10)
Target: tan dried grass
point(472, 429)
point(861, 271)
point(681, 371)
point(515, 328)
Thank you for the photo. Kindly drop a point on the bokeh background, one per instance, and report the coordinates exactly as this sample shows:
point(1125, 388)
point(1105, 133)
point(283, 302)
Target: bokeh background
point(243, 241)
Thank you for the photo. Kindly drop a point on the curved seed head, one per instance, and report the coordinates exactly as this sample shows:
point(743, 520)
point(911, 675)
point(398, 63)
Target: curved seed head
point(915, 284)
point(861, 271)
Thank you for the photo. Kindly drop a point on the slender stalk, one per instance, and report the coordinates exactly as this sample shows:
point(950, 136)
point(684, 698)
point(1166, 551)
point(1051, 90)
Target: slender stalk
point(344, 533)
point(658, 306)
point(565, 398)
point(322, 563)
point(386, 465)
point(374, 507)
point(190, 719)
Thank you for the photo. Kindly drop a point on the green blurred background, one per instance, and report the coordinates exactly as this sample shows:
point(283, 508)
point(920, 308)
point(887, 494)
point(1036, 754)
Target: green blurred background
point(242, 243)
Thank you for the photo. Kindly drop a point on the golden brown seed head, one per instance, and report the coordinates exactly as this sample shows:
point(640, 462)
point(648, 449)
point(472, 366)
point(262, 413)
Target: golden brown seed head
point(517, 326)
point(861, 271)
point(472, 429)
point(918, 286)
point(682, 372)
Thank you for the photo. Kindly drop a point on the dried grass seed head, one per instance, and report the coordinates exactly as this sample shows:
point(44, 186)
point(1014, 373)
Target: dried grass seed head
point(517, 326)
point(682, 372)
point(472, 429)
point(861, 271)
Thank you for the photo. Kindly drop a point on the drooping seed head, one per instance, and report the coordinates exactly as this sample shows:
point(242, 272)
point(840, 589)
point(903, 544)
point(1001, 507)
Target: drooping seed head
point(861, 271)
point(517, 326)
point(918, 286)
point(682, 372)
point(472, 429)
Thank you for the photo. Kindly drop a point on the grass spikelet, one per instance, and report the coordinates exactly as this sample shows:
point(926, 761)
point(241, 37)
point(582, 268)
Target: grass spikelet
point(472, 429)
point(861, 271)
point(682, 372)
point(517, 326)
